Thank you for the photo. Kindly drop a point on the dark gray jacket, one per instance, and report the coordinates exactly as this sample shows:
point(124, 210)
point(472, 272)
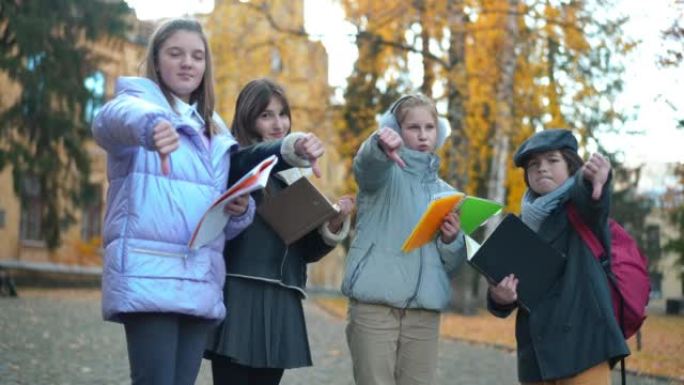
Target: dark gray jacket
point(573, 328)
point(258, 252)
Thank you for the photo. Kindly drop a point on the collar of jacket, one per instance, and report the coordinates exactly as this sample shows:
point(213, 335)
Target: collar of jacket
point(419, 163)
point(148, 90)
point(188, 111)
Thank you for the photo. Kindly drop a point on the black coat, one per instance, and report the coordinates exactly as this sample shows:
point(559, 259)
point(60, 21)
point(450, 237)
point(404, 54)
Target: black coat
point(258, 252)
point(573, 328)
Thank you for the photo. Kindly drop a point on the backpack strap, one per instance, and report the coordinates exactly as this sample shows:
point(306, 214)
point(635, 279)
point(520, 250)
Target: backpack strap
point(584, 231)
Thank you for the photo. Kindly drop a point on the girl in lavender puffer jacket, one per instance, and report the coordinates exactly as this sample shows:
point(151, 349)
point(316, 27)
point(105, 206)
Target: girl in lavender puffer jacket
point(168, 158)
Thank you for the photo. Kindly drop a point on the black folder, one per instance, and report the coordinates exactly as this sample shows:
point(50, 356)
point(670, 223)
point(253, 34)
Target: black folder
point(515, 248)
point(296, 210)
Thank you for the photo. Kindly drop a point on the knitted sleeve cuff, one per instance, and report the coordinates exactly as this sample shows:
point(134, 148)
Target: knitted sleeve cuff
point(332, 239)
point(287, 150)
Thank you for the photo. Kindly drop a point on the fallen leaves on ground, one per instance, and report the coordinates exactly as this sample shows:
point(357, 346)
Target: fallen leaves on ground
point(662, 337)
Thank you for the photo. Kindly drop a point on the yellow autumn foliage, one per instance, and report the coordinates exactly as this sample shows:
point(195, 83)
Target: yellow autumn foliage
point(256, 39)
point(555, 77)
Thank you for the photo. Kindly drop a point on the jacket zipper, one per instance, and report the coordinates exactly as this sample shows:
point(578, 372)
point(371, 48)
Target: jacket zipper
point(159, 253)
point(419, 279)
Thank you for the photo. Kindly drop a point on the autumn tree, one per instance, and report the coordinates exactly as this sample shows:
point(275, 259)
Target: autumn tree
point(676, 216)
point(500, 69)
point(561, 65)
point(673, 57)
point(45, 53)
point(266, 38)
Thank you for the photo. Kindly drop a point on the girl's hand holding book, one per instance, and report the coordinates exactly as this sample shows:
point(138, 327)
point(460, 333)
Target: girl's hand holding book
point(505, 293)
point(346, 205)
point(450, 227)
point(237, 206)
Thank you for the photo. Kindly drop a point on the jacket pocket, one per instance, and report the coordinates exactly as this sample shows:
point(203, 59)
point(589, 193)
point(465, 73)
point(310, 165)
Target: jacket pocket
point(386, 276)
point(354, 268)
point(180, 264)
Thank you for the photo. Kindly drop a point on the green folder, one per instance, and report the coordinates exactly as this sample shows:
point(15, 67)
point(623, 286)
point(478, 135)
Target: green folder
point(475, 211)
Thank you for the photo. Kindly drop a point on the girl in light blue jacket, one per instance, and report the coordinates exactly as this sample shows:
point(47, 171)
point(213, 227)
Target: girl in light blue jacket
point(396, 297)
point(168, 158)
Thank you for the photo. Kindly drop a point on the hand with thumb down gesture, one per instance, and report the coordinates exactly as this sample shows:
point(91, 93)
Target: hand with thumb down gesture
point(311, 148)
point(390, 142)
point(596, 171)
point(166, 141)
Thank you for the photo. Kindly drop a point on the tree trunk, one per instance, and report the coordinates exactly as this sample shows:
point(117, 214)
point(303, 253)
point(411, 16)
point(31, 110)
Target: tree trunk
point(456, 90)
point(428, 70)
point(465, 297)
point(503, 121)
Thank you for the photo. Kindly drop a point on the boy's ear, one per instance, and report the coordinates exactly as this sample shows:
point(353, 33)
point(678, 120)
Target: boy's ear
point(389, 120)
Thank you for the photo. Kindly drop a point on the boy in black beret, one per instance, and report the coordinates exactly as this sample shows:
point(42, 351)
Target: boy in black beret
point(571, 336)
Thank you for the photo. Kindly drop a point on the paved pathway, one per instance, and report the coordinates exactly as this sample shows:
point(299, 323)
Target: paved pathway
point(59, 339)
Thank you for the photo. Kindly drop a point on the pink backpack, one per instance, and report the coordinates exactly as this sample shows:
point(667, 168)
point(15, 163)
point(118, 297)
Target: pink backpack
point(628, 273)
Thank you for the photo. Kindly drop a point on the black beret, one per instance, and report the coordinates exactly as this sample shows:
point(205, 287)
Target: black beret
point(547, 140)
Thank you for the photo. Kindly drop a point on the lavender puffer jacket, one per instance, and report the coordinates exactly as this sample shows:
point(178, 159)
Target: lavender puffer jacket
point(150, 217)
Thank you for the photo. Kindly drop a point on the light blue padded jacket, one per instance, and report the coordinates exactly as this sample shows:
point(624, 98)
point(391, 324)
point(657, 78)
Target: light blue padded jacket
point(150, 217)
point(390, 202)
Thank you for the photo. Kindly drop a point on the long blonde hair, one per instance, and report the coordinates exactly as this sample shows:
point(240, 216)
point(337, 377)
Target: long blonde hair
point(204, 94)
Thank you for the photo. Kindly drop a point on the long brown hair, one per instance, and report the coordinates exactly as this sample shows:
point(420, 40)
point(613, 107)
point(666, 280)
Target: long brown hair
point(252, 101)
point(204, 94)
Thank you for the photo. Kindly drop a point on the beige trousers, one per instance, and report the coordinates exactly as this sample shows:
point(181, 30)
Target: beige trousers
point(391, 346)
point(597, 375)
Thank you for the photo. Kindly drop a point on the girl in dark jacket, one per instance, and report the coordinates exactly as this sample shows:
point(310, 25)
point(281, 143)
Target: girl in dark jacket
point(571, 337)
point(265, 331)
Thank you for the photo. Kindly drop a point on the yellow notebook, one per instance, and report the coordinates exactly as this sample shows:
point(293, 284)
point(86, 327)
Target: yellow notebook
point(473, 211)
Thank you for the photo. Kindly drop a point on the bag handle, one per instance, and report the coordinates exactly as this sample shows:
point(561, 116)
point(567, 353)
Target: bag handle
point(584, 231)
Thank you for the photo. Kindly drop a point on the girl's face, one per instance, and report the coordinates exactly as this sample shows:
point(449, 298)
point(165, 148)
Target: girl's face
point(419, 129)
point(181, 63)
point(273, 123)
point(546, 171)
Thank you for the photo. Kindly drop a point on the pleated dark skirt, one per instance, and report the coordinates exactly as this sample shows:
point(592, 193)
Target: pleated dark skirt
point(264, 326)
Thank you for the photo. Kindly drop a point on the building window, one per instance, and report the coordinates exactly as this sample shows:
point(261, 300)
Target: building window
point(653, 242)
point(276, 61)
point(656, 279)
point(34, 96)
point(91, 223)
point(95, 84)
point(35, 61)
point(31, 211)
